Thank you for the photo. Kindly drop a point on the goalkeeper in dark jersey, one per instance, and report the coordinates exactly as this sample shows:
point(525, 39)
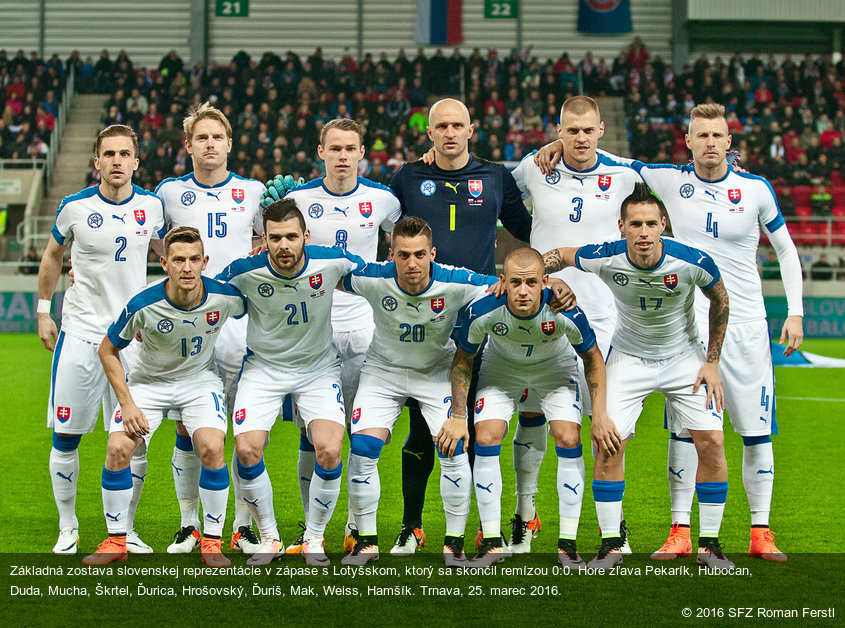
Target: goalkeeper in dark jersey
point(462, 198)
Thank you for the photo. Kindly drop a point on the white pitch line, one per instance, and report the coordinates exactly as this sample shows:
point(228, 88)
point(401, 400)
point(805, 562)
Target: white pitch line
point(811, 399)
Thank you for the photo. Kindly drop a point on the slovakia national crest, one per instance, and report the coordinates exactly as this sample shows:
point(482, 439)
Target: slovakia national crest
point(604, 182)
point(63, 414)
point(475, 187)
point(366, 209)
point(735, 196)
point(315, 281)
point(240, 415)
point(212, 318)
point(524, 396)
point(670, 281)
point(140, 216)
point(238, 195)
point(356, 415)
point(548, 327)
point(118, 418)
point(437, 305)
point(479, 405)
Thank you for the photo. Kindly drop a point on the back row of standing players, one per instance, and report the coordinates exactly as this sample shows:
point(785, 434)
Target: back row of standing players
point(575, 203)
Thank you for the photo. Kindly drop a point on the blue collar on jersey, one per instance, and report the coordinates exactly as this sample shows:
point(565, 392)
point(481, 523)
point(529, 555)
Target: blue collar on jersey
point(110, 202)
point(713, 180)
point(659, 262)
point(577, 172)
point(179, 307)
point(330, 193)
point(281, 276)
point(222, 183)
point(421, 292)
point(546, 297)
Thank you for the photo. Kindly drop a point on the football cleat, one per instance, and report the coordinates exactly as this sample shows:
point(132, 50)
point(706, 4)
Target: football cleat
point(522, 532)
point(109, 551)
point(491, 552)
point(479, 537)
point(409, 541)
point(677, 545)
point(623, 532)
point(314, 552)
point(244, 540)
point(296, 546)
point(185, 540)
point(268, 551)
point(711, 555)
point(567, 554)
point(762, 546)
point(349, 539)
point(365, 550)
point(68, 541)
point(135, 545)
point(212, 554)
point(610, 553)
point(453, 551)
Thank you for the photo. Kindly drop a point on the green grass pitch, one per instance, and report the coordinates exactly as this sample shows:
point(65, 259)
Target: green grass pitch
point(806, 515)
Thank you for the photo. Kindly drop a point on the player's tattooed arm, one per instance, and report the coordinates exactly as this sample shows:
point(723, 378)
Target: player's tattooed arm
point(603, 430)
point(558, 259)
point(718, 319)
point(460, 377)
point(708, 374)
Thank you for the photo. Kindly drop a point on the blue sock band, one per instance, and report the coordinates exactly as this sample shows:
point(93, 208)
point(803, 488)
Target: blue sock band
point(184, 442)
point(214, 479)
point(604, 491)
point(712, 492)
point(674, 436)
point(569, 452)
point(366, 446)
point(487, 450)
point(532, 421)
point(750, 441)
point(328, 474)
point(251, 472)
point(305, 444)
point(66, 443)
point(459, 449)
point(117, 480)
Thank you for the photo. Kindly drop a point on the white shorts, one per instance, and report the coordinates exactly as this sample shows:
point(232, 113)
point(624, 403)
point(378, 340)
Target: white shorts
point(383, 390)
point(79, 387)
point(630, 379)
point(603, 328)
point(229, 352)
point(200, 401)
point(351, 348)
point(502, 384)
point(262, 390)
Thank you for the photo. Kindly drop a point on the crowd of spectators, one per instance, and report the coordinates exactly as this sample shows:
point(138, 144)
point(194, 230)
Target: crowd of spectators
point(31, 90)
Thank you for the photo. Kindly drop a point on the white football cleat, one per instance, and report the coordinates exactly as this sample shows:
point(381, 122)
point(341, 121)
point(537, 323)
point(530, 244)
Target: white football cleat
point(68, 541)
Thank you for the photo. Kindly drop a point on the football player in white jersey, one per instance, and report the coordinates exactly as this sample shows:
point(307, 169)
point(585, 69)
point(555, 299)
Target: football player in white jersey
point(225, 209)
point(415, 305)
point(179, 319)
point(575, 204)
point(656, 347)
point(345, 210)
point(109, 228)
point(530, 349)
point(289, 337)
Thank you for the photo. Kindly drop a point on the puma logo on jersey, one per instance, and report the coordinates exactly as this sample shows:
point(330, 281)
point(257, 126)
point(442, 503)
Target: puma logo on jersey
point(342, 211)
point(710, 194)
point(216, 195)
point(120, 218)
point(193, 323)
point(452, 186)
point(525, 329)
point(416, 307)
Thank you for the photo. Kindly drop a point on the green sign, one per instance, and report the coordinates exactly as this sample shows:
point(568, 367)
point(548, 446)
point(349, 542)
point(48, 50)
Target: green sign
point(501, 9)
point(231, 8)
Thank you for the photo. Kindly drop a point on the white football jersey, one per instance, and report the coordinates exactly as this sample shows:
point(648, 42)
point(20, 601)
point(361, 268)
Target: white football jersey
point(178, 344)
point(290, 317)
point(724, 218)
point(350, 221)
point(547, 335)
point(108, 248)
point(573, 208)
point(226, 215)
point(414, 331)
point(655, 306)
